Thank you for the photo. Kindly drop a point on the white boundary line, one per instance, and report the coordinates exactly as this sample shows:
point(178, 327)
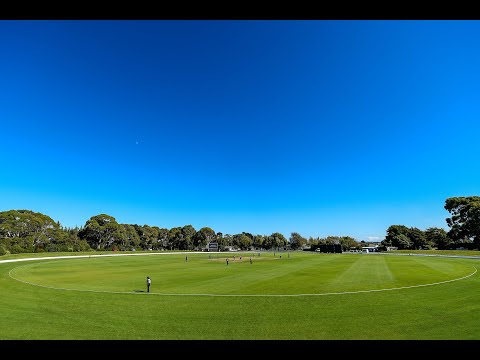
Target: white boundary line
point(210, 295)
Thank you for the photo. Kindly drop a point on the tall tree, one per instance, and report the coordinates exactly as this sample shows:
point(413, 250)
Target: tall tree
point(277, 240)
point(242, 241)
point(162, 241)
point(175, 238)
point(418, 239)
point(257, 242)
point(438, 238)
point(27, 231)
point(349, 243)
point(131, 239)
point(297, 241)
point(403, 242)
point(398, 235)
point(203, 236)
point(188, 232)
point(102, 232)
point(465, 220)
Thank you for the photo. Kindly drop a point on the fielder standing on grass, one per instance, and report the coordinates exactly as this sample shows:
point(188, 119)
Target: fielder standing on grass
point(149, 281)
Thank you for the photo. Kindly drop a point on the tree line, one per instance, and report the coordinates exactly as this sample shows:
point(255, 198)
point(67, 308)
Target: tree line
point(25, 231)
point(464, 229)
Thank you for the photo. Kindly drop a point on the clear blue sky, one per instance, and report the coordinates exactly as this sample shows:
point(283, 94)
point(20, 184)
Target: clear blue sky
point(317, 127)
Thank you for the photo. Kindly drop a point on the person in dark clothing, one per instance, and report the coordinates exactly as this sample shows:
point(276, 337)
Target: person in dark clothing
point(149, 281)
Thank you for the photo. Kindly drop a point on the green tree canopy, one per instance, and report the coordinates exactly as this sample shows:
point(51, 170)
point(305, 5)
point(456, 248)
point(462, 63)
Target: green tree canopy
point(203, 236)
point(465, 220)
point(296, 241)
point(397, 235)
point(417, 238)
point(438, 237)
point(102, 232)
point(28, 231)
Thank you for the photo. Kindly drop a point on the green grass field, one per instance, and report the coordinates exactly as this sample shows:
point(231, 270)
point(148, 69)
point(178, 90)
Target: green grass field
point(298, 296)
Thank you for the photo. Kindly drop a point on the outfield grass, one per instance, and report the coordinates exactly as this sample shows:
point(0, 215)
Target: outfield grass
point(301, 295)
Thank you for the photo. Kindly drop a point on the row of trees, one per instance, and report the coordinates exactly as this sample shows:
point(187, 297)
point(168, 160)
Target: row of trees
point(464, 232)
point(24, 231)
point(405, 238)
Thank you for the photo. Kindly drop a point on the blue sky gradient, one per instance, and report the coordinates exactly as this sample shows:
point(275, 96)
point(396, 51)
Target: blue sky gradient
point(319, 127)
